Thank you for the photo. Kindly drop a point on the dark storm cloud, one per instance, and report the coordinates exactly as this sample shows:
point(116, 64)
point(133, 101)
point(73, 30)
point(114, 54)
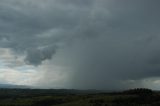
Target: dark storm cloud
point(29, 25)
point(103, 41)
point(37, 56)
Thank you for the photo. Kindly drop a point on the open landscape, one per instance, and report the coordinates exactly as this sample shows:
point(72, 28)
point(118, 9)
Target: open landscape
point(79, 52)
point(66, 97)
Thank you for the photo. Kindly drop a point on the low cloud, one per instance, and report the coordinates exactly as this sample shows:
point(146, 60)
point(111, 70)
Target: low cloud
point(101, 44)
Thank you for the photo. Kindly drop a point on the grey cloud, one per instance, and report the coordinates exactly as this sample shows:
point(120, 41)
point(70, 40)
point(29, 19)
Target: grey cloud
point(36, 56)
point(21, 26)
point(102, 41)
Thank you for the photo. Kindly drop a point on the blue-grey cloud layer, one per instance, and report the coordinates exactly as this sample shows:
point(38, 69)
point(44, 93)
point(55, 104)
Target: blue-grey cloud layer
point(104, 42)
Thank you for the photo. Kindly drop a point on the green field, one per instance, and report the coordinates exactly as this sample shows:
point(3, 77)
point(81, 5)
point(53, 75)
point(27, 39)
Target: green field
point(52, 97)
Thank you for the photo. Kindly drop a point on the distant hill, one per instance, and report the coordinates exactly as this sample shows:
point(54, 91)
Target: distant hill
point(13, 86)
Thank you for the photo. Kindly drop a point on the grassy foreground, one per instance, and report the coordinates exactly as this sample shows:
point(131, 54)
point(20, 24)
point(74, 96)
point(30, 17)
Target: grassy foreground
point(30, 97)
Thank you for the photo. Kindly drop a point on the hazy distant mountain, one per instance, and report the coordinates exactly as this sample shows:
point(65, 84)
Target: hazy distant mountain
point(13, 86)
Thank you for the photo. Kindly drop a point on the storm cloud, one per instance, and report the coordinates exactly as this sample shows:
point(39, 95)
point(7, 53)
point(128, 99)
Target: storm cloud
point(101, 44)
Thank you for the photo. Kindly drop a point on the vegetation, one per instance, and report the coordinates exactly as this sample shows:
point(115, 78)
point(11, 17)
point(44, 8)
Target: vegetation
point(62, 97)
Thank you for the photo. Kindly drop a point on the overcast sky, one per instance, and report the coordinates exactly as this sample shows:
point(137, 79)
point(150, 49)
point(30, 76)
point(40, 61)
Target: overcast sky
point(81, 44)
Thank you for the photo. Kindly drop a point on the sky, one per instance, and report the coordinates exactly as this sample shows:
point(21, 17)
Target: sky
point(80, 44)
